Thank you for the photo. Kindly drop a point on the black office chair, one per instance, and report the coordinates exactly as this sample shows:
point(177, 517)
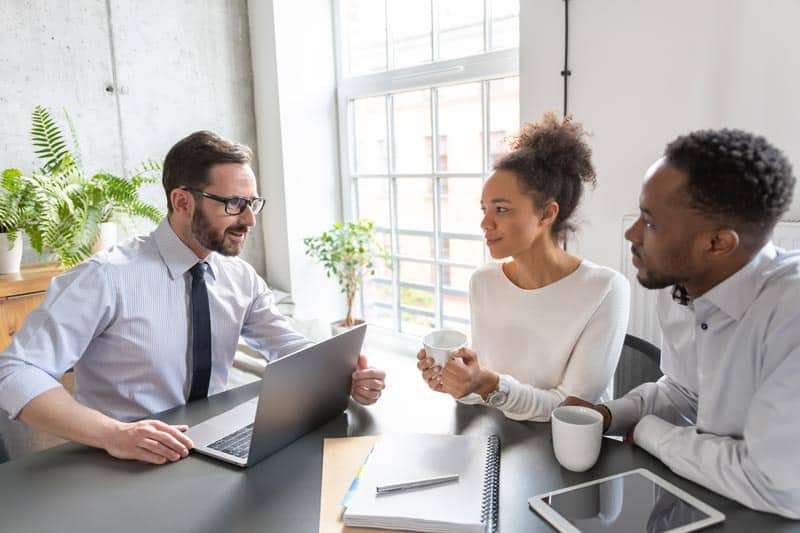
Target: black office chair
point(640, 362)
point(3, 452)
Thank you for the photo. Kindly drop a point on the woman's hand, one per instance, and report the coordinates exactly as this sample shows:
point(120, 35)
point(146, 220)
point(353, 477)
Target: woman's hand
point(466, 375)
point(431, 372)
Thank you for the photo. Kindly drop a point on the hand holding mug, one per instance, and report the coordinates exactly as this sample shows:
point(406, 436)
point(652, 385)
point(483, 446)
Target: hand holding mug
point(602, 409)
point(442, 343)
point(431, 373)
point(439, 347)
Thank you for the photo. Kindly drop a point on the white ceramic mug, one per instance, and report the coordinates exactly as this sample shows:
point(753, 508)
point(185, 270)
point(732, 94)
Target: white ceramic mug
point(577, 436)
point(441, 343)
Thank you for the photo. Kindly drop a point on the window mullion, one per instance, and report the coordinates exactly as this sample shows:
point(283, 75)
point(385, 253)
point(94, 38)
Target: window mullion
point(388, 33)
point(487, 25)
point(487, 140)
point(393, 210)
point(434, 30)
point(437, 208)
point(357, 211)
point(486, 125)
point(488, 65)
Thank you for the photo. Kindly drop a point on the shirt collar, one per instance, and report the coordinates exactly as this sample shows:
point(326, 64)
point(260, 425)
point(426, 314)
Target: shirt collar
point(178, 257)
point(735, 294)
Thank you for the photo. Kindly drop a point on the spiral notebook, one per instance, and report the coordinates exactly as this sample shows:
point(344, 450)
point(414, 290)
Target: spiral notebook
point(468, 504)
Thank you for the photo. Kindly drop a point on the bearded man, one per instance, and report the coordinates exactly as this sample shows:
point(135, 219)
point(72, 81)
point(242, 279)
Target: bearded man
point(154, 322)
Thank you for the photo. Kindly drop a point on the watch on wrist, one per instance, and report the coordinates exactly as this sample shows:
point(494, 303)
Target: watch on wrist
point(499, 395)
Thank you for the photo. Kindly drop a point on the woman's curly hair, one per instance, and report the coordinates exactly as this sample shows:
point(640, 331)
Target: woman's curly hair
point(552, 162)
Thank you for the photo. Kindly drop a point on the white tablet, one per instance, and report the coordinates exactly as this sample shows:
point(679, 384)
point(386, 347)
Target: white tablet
point(632, 501)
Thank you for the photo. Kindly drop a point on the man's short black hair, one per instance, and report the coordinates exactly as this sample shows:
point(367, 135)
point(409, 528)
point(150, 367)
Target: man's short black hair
point(737, 177)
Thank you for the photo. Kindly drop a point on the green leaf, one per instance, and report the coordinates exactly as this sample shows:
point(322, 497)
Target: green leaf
point(59, 206)
point(347, 253)
point(48, 137)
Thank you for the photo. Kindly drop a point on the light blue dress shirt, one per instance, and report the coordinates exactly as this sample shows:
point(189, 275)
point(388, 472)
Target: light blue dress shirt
point(122, 320)
point(726, 414)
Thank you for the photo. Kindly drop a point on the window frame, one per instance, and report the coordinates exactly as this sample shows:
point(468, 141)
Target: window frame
point(483, 68)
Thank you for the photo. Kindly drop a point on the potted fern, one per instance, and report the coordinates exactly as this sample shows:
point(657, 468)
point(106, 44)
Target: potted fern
point(71, 207)
point(117, 200)
point(13, 215)
point(347, 252)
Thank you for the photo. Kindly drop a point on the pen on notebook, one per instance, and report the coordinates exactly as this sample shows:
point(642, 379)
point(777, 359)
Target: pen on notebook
point(415, 483)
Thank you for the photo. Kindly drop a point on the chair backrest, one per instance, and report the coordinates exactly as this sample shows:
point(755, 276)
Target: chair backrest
point(3, 452)
point(640, 362)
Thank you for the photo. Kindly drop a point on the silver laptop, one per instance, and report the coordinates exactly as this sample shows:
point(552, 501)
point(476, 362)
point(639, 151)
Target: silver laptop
point(299, 392)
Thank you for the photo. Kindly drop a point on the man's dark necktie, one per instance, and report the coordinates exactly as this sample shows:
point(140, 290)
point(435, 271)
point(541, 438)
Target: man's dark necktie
point(201, 334)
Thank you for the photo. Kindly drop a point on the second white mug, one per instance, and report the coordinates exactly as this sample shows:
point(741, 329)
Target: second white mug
point(577, 436)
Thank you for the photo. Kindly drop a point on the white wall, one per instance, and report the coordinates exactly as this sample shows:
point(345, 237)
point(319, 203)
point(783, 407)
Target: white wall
point(181, 66)
point(645, 72)
point(295, 89)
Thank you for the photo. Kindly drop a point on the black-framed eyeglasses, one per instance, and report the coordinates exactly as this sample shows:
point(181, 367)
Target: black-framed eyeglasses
point(234, 205)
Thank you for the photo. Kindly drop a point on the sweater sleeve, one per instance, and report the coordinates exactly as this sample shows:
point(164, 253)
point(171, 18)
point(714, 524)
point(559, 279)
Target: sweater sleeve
point(591, 365)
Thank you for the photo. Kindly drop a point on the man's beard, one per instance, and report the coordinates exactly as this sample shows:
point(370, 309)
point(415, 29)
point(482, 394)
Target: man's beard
point(658, 282)
point(212, 240)
point(653, 280)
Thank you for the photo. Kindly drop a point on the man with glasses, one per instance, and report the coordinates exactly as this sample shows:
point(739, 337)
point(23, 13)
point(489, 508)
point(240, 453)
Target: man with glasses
point(154, 322)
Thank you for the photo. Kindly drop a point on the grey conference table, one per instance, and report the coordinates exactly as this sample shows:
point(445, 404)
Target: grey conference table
point(76, 488)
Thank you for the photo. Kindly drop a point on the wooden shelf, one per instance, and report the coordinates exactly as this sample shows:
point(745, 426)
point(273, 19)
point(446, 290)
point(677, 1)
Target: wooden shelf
point(32, 278)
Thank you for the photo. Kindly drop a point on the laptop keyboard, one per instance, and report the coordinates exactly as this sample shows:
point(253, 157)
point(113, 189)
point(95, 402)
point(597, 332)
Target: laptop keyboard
point(236, 443)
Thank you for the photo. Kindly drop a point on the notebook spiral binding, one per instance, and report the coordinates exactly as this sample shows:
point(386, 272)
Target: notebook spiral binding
point(491, 485)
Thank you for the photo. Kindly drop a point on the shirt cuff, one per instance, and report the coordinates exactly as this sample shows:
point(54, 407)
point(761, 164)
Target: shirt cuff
point(25, 385)
point(624, 414)
point(508, 384)
point(471, 399)
point(649, 432)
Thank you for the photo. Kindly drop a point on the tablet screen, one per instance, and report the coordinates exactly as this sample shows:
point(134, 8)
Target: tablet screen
point(630, 502)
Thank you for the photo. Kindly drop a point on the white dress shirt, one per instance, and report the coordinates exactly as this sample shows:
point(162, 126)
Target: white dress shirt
point(563, 339)
point(726, 413)
point(122, 320)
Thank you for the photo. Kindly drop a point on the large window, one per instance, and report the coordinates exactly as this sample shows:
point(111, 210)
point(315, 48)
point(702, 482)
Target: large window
point(428, 92)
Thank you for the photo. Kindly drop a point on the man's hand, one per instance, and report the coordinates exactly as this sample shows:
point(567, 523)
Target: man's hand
point(367, 383)
point(466, 376)
point(56, 412)
point(151, 441)
point(431, 372)
point(602, 409)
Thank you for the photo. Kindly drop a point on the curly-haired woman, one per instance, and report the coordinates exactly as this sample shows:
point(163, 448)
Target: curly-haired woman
point(546, 324)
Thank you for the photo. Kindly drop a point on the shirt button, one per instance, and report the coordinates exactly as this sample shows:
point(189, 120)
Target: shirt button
point(704, 326)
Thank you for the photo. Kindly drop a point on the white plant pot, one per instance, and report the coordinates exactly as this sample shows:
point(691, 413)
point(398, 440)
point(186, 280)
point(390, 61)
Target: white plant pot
point(10, 259)
point(107, 237)
point(337, 327)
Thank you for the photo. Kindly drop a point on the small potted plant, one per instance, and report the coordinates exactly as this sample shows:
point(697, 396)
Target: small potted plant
point(13, 215)
point(347, 252)
point(118, 203)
